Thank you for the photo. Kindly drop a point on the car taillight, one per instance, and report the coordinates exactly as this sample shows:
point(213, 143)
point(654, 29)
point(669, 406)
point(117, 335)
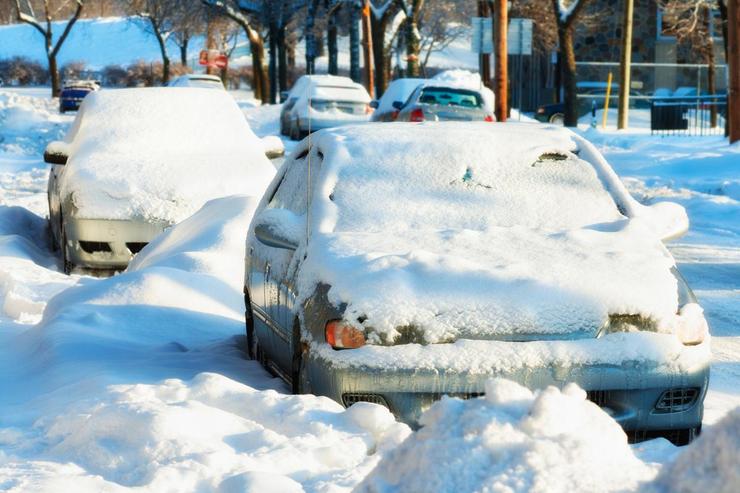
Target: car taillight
point(394, 115)
point(488, 118)
point(368, 109)
point(341, 335)
point(417, 115)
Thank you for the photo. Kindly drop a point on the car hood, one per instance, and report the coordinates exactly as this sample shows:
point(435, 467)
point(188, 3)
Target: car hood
point(504, 283)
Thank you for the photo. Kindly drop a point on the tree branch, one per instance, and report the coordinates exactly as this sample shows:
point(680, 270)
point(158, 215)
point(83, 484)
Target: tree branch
point(29, 19)
point(68, 27)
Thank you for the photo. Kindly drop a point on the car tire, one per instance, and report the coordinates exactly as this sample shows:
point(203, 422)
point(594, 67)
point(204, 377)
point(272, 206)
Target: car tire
point(67, 265)
point(298, 377)
point(295, 131)
point(557, 119)
point(249, 325)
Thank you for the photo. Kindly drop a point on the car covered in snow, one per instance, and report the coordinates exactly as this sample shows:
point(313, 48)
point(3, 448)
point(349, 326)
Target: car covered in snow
point(435, 101)
point(136, 161)
point(325, 102)
point(397, 93)
point(73, 92)
point(396, 264)
point(203, 81)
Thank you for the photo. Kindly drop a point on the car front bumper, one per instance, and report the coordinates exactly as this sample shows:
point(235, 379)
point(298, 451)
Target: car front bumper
point(629, 390)
point(105, 243)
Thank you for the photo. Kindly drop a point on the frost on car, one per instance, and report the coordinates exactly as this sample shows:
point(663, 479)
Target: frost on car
point(395, 264)
point(138, 160)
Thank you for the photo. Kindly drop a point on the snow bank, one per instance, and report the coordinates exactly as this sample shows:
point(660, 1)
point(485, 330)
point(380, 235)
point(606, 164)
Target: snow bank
point(433, 233)
point(712, 463)
point(160, 154)
point(27, 123)
point(512, 440)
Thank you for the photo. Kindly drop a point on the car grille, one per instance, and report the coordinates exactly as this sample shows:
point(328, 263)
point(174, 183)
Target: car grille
point(676, 400)
point(353, 398)
point(95, 246)
point(599, 397)
point(136, 246)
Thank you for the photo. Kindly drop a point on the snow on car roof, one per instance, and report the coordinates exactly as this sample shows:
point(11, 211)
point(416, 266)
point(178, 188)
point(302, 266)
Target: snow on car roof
point(160, 153)
point(398, 90)
point(477, 230)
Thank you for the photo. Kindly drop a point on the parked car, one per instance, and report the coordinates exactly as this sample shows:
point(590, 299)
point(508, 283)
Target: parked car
point(397, 263)
point(326, 102)
point(74, 92)
point(397, 93)
point(290, 98)
point(203, 81)
point(438, 102)
point(136, 161)
point(589, 94)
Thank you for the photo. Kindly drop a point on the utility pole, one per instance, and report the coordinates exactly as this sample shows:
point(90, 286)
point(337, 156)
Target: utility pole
point(625, 68)
point(484, 59)
point(500, 29)
point(733, 62)
point(367, 45)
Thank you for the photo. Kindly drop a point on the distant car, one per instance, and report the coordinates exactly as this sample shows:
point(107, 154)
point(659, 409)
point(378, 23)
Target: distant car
point(438, 102)
point(136, 161)
point(422, 260)
point(325, 103)
point(203, 81)
point(74, 92)
point(290, 98)
point(397, 92)
point(590, 93)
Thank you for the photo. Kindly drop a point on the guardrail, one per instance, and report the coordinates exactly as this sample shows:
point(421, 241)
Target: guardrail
point(688, 115)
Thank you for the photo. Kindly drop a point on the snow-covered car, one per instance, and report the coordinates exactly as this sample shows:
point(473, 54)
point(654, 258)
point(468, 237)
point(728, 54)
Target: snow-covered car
point(398, 92)
point(326, 103)
point(397, 263)
point(291, 97)
point(202, 81)
point(74, 92)
point(435, 101)
point(136, 161)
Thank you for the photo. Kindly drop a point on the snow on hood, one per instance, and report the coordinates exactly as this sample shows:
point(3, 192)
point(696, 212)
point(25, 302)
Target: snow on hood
point(464, 232)
point(160, 154)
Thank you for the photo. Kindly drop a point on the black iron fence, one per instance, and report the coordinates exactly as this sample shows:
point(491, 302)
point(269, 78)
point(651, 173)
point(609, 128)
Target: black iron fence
point(688, 115)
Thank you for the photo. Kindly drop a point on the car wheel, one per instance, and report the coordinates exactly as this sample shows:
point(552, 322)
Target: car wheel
point(249, 322)
point(67, 265)
point(295, 132)
point(298, 377)
point(557, 119)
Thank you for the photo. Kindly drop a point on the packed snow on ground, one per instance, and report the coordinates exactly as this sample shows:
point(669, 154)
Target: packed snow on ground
point(160, 154)
point(139, 382)
point(407, 234)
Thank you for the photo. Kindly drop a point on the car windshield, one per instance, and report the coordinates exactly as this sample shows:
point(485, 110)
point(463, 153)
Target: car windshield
point(445, 96)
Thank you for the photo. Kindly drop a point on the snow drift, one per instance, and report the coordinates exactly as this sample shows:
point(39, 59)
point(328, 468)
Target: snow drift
point(160, 154)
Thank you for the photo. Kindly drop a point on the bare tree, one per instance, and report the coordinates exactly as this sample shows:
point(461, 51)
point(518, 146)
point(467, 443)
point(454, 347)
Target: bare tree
point(566, 14)
point(442, 23)
point(187, 22)
point(26, 14)
point(160, 17)
point(412, 10)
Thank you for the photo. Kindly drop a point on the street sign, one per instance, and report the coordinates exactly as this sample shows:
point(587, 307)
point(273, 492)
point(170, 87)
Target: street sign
point(213, 59)
point(482, 36)
point(520, 37)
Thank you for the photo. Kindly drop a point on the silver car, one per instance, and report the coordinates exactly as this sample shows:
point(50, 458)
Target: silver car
point(352, 219)
point(437, 102)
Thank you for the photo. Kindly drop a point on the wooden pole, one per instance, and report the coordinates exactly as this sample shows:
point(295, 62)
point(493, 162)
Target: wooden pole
point(367, 45)
point(624, 66)
point(501, 26)
point(733, 62)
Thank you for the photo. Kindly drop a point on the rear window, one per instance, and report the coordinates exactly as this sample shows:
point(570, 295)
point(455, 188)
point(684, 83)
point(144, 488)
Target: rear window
point(451, 97)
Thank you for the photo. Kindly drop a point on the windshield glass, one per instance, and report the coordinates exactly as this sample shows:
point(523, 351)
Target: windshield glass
point(445, 96)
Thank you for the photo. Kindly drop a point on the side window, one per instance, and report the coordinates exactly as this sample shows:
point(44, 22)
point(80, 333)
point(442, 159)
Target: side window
point(291, 193)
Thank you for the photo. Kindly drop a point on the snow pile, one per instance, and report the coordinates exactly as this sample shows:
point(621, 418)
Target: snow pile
point(512, 440)
point(160, 154)
point(140, 381)
point(466, 79)
point(432, 233)
point(712, 463)
point(27, 123)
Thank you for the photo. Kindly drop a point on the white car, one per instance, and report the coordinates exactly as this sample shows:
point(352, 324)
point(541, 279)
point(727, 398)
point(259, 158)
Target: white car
point(325, 103)
point(398, 92)
point(291, 97)
point(203, 81)
point(138, 160)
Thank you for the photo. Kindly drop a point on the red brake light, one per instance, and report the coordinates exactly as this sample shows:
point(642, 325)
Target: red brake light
point(368, 109)
point(417, 115)
point(341, 335)
point(488, 118)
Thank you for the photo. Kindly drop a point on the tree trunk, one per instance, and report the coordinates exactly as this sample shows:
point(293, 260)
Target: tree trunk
point(354, 44)
point(184, 51)
point(54, 74)
point(378, 28)
point(331, 41)
point(565, 36)
point(273, 62)
point(310, 38)
point(412, 48)
point(282, 61)
point(711, 80)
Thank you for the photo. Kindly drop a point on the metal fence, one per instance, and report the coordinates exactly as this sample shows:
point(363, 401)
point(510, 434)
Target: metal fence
point(698, 115)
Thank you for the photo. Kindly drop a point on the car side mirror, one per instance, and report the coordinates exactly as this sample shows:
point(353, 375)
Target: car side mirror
point(283, 96)
point(374, 104)
point(667, 219)
point(57, 152)
point(273, 147)
point(279, 228)
point(398, 104)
